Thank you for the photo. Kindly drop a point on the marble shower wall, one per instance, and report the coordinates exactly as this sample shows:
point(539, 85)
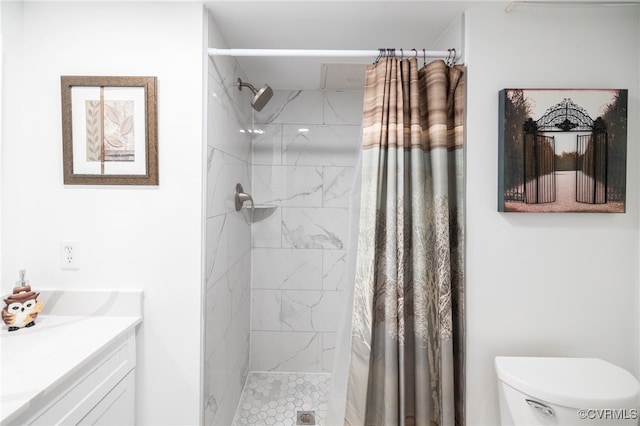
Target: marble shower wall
point(304, 155)
point(227, 239)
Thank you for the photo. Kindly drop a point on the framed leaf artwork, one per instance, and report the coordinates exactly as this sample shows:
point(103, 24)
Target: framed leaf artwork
point(109, 130)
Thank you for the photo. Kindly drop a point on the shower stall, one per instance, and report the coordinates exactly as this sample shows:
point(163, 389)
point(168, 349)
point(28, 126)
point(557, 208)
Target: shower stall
point(276, 270)
point(281, 228)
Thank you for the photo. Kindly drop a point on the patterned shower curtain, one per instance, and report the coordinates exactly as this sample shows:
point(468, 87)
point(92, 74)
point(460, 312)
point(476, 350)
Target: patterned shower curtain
point(407, 348)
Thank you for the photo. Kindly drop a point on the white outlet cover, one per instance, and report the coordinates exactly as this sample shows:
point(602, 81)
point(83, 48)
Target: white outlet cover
point(69, 255)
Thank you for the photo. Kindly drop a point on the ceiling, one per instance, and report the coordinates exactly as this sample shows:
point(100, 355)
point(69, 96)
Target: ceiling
point(343, 25)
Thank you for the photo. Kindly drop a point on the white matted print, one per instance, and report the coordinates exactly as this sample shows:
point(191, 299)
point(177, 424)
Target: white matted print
point(109, 135)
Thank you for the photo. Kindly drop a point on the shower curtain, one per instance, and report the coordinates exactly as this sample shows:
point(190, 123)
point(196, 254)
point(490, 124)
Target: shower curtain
point(407, 341)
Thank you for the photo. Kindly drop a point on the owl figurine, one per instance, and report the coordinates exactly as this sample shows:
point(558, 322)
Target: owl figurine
point(22, 307)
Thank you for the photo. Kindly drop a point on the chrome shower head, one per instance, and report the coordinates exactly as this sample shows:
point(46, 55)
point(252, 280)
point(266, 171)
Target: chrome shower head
point(261, 97)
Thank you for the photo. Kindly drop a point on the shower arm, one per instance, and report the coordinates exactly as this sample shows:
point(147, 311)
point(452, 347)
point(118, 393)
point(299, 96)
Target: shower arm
point(241, 197)
point(242, 84)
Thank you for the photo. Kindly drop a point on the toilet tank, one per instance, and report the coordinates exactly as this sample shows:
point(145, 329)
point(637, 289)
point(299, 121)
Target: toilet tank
point(565, 391)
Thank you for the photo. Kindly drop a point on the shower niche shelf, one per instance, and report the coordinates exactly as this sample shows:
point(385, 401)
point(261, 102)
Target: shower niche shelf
point(261, 211)
point(262, 207)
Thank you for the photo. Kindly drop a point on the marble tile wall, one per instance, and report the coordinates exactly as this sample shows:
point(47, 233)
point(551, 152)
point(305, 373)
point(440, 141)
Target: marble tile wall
point(227, 239)
point(304, 157)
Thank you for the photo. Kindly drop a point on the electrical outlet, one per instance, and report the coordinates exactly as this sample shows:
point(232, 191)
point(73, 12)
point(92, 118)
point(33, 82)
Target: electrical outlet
point(69, 255)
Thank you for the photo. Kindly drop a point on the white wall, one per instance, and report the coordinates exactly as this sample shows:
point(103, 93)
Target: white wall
point(1, 137)
point(546, 284)
point(129, 237)
point(228, 236)
point(453, 37)
point(12, 42)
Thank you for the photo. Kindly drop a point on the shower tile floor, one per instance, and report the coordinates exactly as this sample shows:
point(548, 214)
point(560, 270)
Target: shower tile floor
point(274, 398)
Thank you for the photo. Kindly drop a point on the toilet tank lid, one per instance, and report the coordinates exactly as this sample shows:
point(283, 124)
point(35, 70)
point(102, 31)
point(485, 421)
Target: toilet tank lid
point(571, 382)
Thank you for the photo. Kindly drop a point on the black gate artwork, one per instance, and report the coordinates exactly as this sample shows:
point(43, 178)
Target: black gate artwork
point(539, 154)
point(539, 168)
point(562, 150)
point(591, 168)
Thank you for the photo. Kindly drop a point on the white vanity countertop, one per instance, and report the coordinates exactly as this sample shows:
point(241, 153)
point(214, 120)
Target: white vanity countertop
point(37, 359)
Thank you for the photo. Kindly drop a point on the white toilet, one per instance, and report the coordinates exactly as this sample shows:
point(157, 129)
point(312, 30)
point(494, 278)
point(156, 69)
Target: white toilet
point(566, 392)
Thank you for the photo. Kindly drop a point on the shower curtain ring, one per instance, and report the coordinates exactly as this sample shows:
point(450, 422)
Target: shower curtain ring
point(424, 57)
point(380, 55)
point(401, 54)
point(451, 57)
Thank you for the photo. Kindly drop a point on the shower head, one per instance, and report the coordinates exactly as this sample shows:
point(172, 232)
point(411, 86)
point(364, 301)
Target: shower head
point(261, 97)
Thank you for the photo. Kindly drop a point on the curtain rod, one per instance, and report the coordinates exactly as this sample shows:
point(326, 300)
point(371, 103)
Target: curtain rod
point(407, 53)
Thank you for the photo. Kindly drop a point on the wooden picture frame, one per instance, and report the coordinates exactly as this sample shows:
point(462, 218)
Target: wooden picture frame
point(109, 130)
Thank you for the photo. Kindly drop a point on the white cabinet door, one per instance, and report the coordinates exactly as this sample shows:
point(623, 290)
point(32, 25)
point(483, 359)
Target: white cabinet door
point(102, 392)
point(117, 407)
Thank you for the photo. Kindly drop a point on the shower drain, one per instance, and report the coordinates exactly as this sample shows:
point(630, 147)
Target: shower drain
point(306, 418)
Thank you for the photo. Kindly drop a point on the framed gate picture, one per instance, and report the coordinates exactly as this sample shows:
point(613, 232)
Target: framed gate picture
point(562, 150)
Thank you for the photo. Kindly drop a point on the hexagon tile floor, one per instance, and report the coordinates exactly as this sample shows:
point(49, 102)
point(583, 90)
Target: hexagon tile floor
point(274, 398)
